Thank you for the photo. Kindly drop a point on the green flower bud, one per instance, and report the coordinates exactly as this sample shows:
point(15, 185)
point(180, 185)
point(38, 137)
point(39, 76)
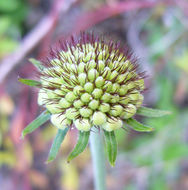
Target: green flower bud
point(94, 104)
point(78, 103)
point(60, 121)
point(97, 93)
point(82, 78)
point(70, 97)
point(101, 55)
point(99, 82)
point(112, 124)
point(86, 97)
point(82, 124)
point(73, 79)
point(99, 118)
point(116, 110)
point(129, 112)
point(131, 85)
point(108, 86)
point(73, 68)
point(53, 108)
point(106, 72)
point(123, 90)
point(114, 99)
point(140, 100)
point(104, 107)
point(113, 75)
point(77, 90)
point(134, 96)
point(115, 87)
point(124, 100)
point(55, 62)
point(121, 78)
point(71, 113)
point(85, 112)
point(51, 94)
point(88, 87)
point(87, 57)
point(92, 64)
point(55, 81)
point(42, 97)
point(140, 84)
point(106, 97)
point(64, 88)
point(101, 65)
point(92, 75)
point(59, 92)
point(81, 67)
point(64, 103)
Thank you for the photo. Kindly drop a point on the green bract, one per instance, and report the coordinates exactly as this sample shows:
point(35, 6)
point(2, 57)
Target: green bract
point(89, 83)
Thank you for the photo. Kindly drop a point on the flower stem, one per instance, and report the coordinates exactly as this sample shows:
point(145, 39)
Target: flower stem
point(97, 153)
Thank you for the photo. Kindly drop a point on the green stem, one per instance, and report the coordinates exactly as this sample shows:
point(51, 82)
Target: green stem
point(97, 153)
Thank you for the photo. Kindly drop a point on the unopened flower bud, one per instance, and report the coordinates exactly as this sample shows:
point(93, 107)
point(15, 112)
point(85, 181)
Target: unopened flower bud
point(97, 93)
point(60, 121)
point(129, 112)
point(82, 124)
point(99, 118)
point(85, 112)
point(112, 124)
point(94, 104)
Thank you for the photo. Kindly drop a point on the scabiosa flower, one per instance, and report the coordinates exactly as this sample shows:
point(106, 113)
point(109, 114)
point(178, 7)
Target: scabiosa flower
point(89, 82)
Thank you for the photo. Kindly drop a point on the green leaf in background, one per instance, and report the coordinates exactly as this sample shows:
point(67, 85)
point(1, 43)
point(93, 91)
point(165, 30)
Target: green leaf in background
point(57, 144)
point(80, 146)
point(5, 22)
point(181, 61)
point(36, 63)
point(30, 82)
point(41, 119)
point(149, 112)
point(9, 5)
point(111, 146)
point(137, 126)
point(7, 45)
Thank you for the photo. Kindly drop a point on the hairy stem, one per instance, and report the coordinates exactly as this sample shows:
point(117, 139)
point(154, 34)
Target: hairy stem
point(97, 153)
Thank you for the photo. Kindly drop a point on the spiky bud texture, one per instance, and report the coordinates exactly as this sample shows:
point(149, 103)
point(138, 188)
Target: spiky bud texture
point(90, 82)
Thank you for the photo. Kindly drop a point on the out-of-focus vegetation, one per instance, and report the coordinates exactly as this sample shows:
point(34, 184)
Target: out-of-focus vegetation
point(158, 35)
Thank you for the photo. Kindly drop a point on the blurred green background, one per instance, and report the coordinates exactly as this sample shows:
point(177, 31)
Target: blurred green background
point(157, 33)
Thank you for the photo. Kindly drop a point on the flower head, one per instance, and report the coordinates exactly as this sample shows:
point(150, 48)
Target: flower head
point(90, 82)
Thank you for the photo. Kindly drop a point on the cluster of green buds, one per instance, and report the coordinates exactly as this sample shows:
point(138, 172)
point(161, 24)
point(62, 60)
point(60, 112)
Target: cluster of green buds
point(89, 82)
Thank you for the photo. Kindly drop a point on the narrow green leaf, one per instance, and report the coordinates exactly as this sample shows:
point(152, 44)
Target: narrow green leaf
point(149, 112)
point(111, 145)
point(57, 144)
point(80, 146)
point(29, 82)
point(41, 119)
point(37, 64)
point(137, 126)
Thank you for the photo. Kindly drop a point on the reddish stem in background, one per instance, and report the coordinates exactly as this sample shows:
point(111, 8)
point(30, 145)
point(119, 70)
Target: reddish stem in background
point(90, 18)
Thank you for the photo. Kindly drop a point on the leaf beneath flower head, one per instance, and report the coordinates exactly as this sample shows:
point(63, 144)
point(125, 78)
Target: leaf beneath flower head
point(30, 82)
point(37, 64)
point(137, 126)
point(57, 144)
point(41, 119)
point(111, 145)
point(149, 112)
point(80, 146)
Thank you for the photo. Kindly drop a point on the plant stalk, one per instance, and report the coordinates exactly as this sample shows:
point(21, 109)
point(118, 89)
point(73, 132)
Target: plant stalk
point(97, 153)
